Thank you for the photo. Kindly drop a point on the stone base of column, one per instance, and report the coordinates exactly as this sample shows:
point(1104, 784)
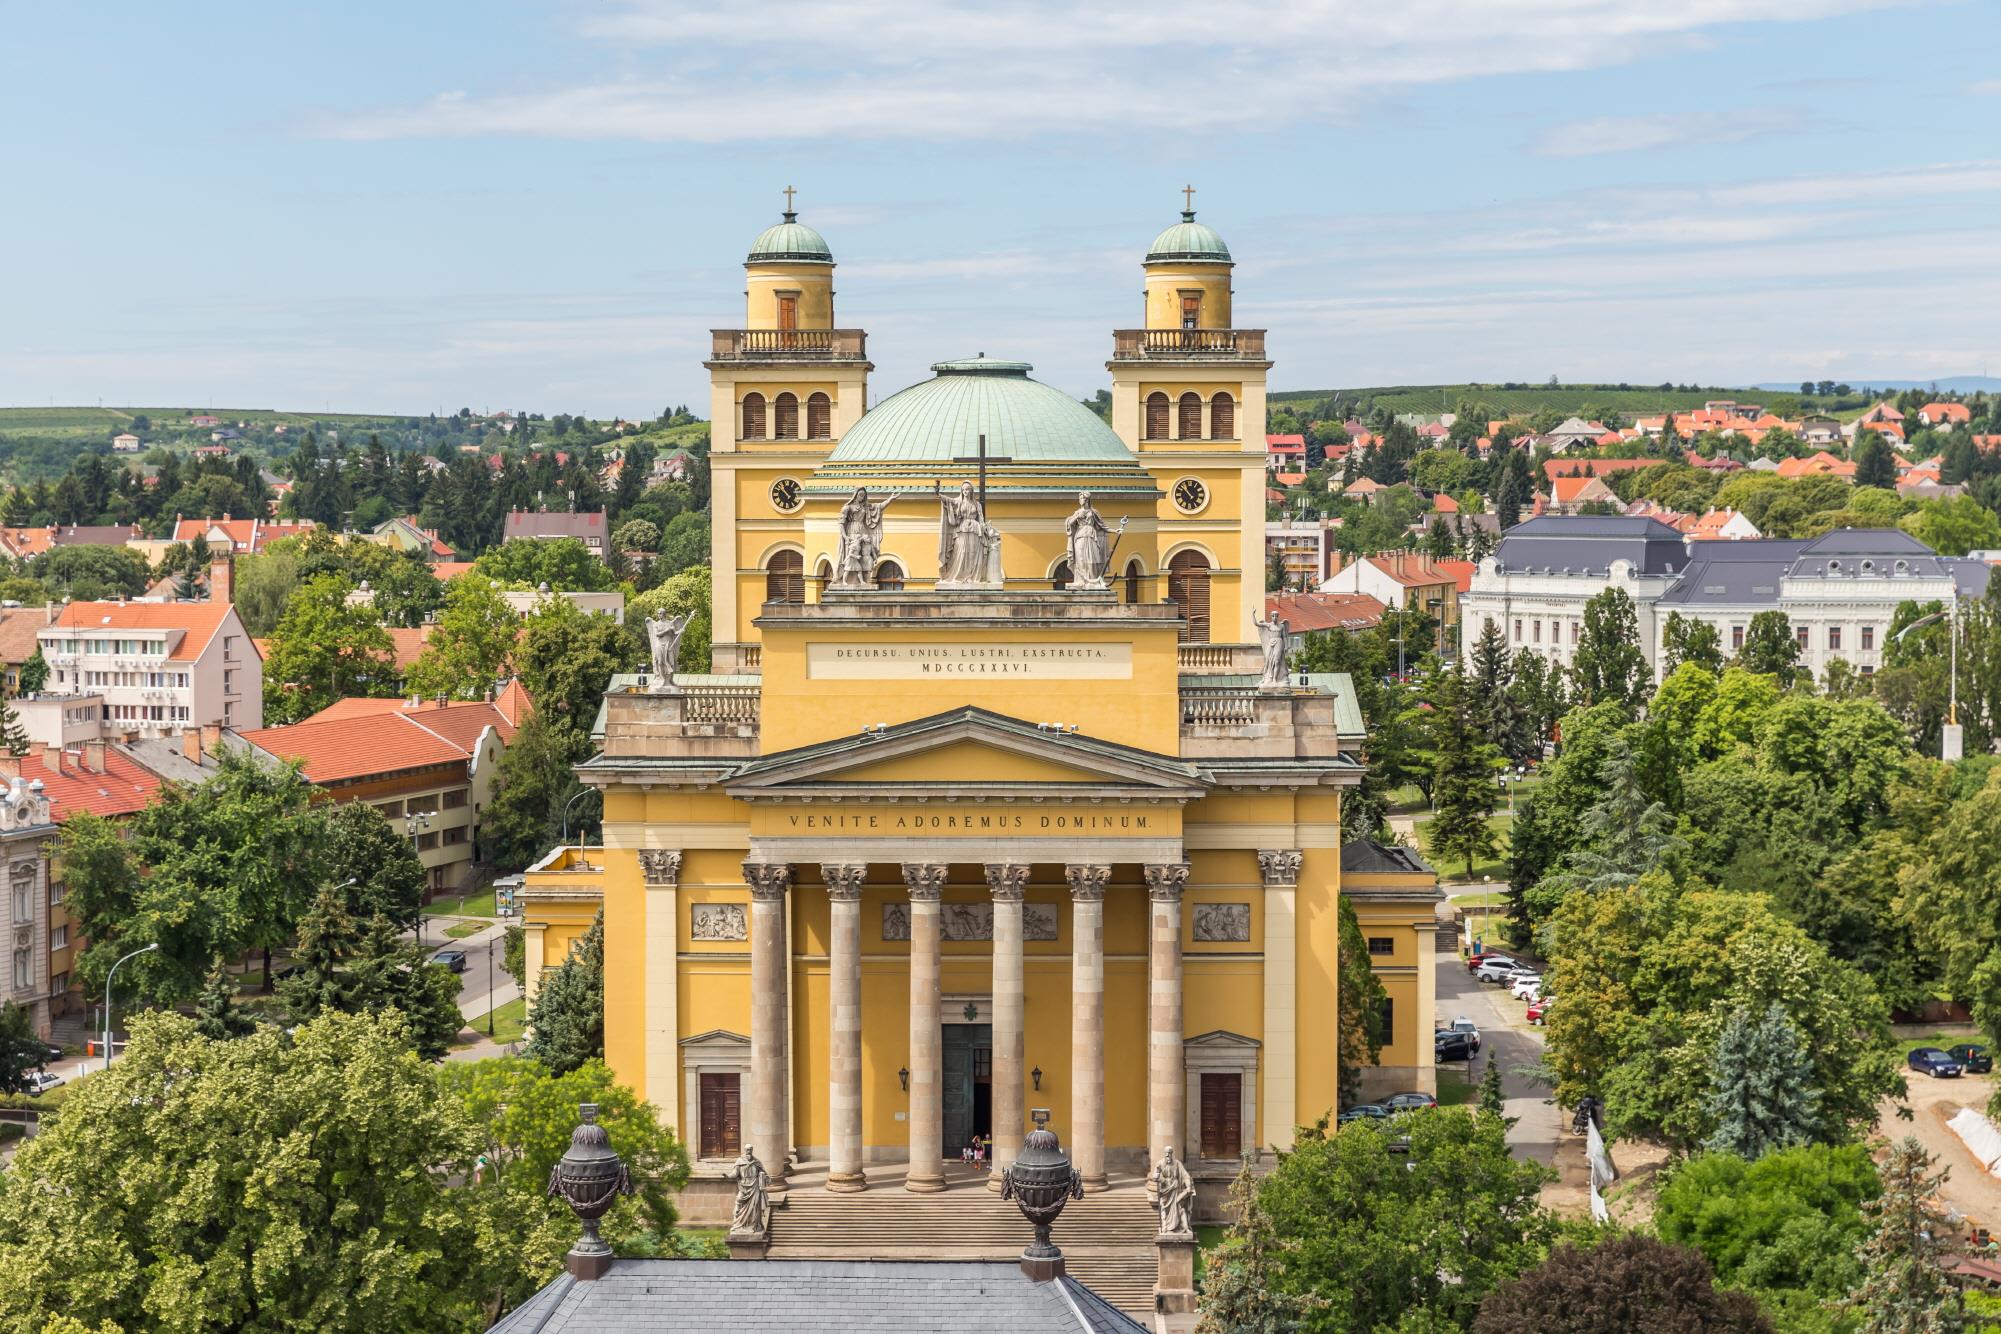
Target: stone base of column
point(923, 1185)
point(1174, 1284)
point(1092, 1185)
point(846, 1183)
point(748, 1247)
point(994, 1181)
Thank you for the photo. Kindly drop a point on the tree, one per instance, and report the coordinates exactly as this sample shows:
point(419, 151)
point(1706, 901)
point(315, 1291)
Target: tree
point(565, 564)
point(21, 1052)
point(472, 645)
point(1905, 1288)
point(1950, 527)
point(1685, 639)
point(1463, 790)
point(567, 1017)
point(89, 573)
point(359, 848)
point(217, 1016)
point(1770, 648)
point(1624, 1282)
point(636, 534)
point(686, 593)
point(534, 787)
point(1359, 1005)
point(263, 1184)
point(323, 650)
point(368, 968)
point(1237, 1293)
point(13, 735)
point(1493, 1099)
point(1435, 1216)
point(261, 586)
point(567, 658)
point(1608, 663)
point(684, 542)
point(1874, 464)
point(34, 673)
point(1764, 1097)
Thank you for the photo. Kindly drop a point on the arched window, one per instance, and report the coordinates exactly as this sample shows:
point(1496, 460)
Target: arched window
point(889, 577)
point(1222, 417)
point(753, 416)
point(1188, 585)
point(1156, 416)
point(1133, 576)
point(1191, 417)
point(819, 417)
point(785, 578)
point(785, 417)
point(1059, 578)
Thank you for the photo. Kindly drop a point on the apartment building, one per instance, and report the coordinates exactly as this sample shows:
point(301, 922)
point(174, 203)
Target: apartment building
point(160, 666)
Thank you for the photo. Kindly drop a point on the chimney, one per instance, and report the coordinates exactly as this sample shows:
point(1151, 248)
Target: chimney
point(93, 756)
point(221, 581)
point(10, 766)
point(52, 759)
point(211, 737)
point(191, 744)
point(49, 613)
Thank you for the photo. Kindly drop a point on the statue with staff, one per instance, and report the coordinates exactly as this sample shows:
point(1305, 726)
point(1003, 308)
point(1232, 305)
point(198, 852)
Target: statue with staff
point(1091, 545)
point(861, 540)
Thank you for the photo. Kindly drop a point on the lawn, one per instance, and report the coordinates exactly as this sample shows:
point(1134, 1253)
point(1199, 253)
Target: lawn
point(467, 905)
point(1496, 869)
point(1455, 1089)
point(464, 929)
point(1208, 1236)
point(510, 1022)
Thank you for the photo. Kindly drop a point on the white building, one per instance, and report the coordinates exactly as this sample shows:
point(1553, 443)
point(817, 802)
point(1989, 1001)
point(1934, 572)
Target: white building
point(1839, 591)
point(159, 666)
point(26, 833)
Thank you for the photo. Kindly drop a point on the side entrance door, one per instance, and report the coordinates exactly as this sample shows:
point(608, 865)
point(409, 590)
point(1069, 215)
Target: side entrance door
point(1222, 1101)
point(722, 1117)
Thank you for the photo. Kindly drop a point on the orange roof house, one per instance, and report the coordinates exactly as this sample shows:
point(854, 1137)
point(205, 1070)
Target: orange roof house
point(1571, 493)
point(1569, 467)
point(1304, 613)
point(241, 536)
point(1819, 464)
point(1945, 414)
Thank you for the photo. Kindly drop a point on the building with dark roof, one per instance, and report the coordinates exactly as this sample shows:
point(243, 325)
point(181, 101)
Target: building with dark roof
point(1396, 898)
point(1535, 584)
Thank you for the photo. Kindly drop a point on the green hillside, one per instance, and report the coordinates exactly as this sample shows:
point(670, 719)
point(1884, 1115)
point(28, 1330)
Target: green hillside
point(96, 422)
point(1525, 400)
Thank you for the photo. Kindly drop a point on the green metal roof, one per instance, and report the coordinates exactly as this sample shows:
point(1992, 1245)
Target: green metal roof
point(942, 419)
point(1189, 239)
point(790, 241)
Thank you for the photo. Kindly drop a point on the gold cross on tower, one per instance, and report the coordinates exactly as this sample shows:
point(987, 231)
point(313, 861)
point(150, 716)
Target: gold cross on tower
point(1188, 198)
point(789, 192)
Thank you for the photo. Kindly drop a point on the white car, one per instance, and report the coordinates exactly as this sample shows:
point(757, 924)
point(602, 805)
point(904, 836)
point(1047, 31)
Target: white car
point(41, 1081)
point(1494, 972)
point(1525, 988)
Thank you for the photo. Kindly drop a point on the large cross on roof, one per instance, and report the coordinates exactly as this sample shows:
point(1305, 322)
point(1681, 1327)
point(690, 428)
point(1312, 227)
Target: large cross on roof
point(983, 459)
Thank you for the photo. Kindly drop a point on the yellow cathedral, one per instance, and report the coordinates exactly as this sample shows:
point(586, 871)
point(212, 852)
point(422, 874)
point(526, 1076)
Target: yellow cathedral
point(997, 796)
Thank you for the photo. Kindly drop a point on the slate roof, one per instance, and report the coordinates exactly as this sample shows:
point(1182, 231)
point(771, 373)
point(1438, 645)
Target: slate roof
point(1735, 573)
point(1365, 856)
point(821, 1296)
point(1588, 544)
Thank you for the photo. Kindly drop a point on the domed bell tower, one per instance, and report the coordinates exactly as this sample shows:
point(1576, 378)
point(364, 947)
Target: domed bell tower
point(783, 389)
point(1188, 395)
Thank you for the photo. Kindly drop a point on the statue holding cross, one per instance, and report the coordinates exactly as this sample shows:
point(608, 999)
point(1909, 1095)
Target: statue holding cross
point(968, 545)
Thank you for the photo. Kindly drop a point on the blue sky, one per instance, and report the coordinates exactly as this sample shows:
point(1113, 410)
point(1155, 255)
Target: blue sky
point(416, 206)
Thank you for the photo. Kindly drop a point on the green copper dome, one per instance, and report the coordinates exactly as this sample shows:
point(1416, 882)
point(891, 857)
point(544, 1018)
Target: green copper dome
point(1189, 240)
point(942, 419)
point(792, 242)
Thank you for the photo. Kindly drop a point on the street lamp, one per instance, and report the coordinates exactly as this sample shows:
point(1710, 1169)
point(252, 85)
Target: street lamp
point(143, 949)
point(1951, 745)
point(574, 799)
point(416, 822)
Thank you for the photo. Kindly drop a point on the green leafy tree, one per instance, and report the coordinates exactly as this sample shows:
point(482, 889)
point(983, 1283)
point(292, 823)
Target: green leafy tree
point(1463, 793)
point(91, 573)
point(261, 586)
point(264, 1184)
point(323, 650)
point(1238, 1296)
point(1905, 1288)
point(1359, 1004)
point(514, 955)
point(1626, 832)
point(1628, 1282)
point(684, 543)
point(567, 1017)
point(1771, 649)
point(1950, 527)
point(567, 658)
point(359, 848)
point(1764, 1097)
point(686, 593)
point(21, 1052)
point(217, 1015)
point(1608, 665)
point(472, 645)
point(34, 673)
point(532, 792)
point(637, 535)
point(565, 564)
point(1436, 1216)
point(1686, 639)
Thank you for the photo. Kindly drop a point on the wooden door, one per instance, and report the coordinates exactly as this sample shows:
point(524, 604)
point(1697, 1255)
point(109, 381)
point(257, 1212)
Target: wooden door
point(722, 1116)
point(1222, 1104)
point(788, 310)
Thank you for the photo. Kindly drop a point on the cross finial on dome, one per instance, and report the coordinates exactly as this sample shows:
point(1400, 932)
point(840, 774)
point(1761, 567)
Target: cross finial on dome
point(1188, 203)
point(791, 214)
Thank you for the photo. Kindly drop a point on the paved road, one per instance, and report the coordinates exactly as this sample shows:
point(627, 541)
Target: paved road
point(484, 984)
point(1506, 1036)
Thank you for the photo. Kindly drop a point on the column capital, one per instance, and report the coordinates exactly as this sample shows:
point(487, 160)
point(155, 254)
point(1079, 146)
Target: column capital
point(768, 881)
point(925, 880)
point(661, 867)
point(1008, 881)
point(844, 880)
point(1087, 881)
point(1280, 867)
point(1165, 881)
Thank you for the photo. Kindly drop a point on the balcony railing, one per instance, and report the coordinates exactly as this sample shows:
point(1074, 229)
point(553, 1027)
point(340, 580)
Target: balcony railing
point(1206, 657)
point(788, 344)
point(720, 704)
point(1218, 706)
point(1181, 344)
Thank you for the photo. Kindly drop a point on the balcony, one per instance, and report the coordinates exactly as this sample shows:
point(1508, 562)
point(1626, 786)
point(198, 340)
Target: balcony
point(753, 345)
point(1188, 345)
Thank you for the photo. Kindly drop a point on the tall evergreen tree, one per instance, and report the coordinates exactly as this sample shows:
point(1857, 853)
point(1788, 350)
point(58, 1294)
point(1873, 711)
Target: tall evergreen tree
point(1905, 1288)
point(1492, 1099)
point(1516, 489)
point(1625, 833)
point(1874, 464)
point(568, 1014)
point(13, 734)
point(217, 1016)
point(1464, 763)
point(1765, 1097)
point(1608, 664)
point(21, 1052)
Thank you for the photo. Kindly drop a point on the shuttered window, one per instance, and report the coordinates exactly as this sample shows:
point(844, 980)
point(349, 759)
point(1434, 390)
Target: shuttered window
point(1222, 417)
point(1188, 585)
point(1133, 573)
point(753, 416)
point(1191, 417)
point(889, 576)
point(819, 417)
point(1156, 416)
point(785, 578)
point(785, 417)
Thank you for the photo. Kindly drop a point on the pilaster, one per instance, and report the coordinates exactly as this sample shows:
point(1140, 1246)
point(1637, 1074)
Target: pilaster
point(660, 871)
point(1279, 1111)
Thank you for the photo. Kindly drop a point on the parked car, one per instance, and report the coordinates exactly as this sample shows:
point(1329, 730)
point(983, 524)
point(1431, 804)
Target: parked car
point(1972, 1057)
point(1452, 1046)
point(1464, 1025)
point(1474, 960)
point(1409, 1102)
point(41, 1081)
point(1525, 988)
point(1539, 1008)
point(1366, 1111)
point(49, 1051)
point(1495, 970)
point(1933, 1062)
point(452, 959)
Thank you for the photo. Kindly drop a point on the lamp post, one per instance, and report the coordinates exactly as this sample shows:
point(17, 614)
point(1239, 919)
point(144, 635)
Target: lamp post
point(143, 949)
point(1951, 743)
point(489, 983)
point(574, 798)
point(417, 822)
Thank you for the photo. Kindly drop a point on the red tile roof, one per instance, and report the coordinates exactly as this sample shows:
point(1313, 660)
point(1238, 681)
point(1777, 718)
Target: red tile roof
point(340, 749)
point(1568, 467)
point(1307, 612)
point(125, 785)
point(1460, 570)
point(199, 619)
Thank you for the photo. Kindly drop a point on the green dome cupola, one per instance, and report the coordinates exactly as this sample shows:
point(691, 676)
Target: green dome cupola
point(789, 242)
point(1188, 241)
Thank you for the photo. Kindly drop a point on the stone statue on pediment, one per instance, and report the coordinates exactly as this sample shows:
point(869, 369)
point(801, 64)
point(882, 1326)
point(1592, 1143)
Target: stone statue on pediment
point(1091, 545)
point(968, 546)
point(664, 634)
point(861, 540)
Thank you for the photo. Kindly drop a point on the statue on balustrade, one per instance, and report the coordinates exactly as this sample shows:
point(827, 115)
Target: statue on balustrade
point(861, 540)
point(751, 1215)
point(664, 635)
point(968, 546)
point(1274, 636)
point(1174, 1196)
point(1091, 545)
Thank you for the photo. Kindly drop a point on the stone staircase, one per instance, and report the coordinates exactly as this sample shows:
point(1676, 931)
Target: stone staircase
point(1106, 1238)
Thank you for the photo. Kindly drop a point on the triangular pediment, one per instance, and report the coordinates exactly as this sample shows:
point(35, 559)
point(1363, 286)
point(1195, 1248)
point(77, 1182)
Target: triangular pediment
point(966, 750)
point(1220, 1039)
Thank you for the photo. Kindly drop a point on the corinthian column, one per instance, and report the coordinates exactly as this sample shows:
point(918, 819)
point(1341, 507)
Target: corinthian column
point(926, 881)
point(1166, 1095)
point(1009, 883)
point(770, 1117)
point(844, 1056)
point(1087, 1021)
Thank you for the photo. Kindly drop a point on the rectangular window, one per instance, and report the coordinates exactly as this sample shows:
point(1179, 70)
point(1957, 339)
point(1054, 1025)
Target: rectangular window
point(1801, 635)
point(1834, 637)
point(455, 836)
point(392, 810)
point(1867, 670)
point(56, 893)
point(58, 983)
point(1535, 628)
point(1381, 945)
point(455, 799)
point(1191, 310)
point(1868, 636)
point(59, 938)
point(1518, 629)
point(1386, 1014)
point(427, 842)
point(1736, 638)
point(1573, 634)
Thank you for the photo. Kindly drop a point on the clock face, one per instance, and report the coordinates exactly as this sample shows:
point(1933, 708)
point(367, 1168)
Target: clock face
point(1190, 495)
point(785, 495)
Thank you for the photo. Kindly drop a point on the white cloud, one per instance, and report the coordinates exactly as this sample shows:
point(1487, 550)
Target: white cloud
point(1627, 134)
point(1985, 88)
point(797, 70)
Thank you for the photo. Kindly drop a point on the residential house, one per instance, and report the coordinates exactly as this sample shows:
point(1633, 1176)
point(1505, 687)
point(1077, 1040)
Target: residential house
point(406, 534)
point(1945, 414)
point(241, 537)
point(1285, 453)
point(161, 667)
point(27, 840)
point(26, 543)
point(1819, 464)
point(1305, 613)
point(96, 535)
point(551, 524)
point(1569, 495)
point(1572, 434)
point(204, 419)
point(19, 631)
point(1724, 525)
point(125, 443)
point(1405, 579)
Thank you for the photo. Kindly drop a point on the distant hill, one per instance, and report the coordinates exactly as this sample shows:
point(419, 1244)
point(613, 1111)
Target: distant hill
point(1526, 399)
point(1950, 384)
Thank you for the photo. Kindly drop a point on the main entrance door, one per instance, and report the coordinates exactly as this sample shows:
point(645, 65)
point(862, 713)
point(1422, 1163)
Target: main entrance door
point(969, 1082)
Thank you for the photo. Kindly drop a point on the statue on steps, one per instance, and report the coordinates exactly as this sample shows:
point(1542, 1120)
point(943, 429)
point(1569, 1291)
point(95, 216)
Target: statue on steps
point(751, 1216)
point(1174, 1196)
